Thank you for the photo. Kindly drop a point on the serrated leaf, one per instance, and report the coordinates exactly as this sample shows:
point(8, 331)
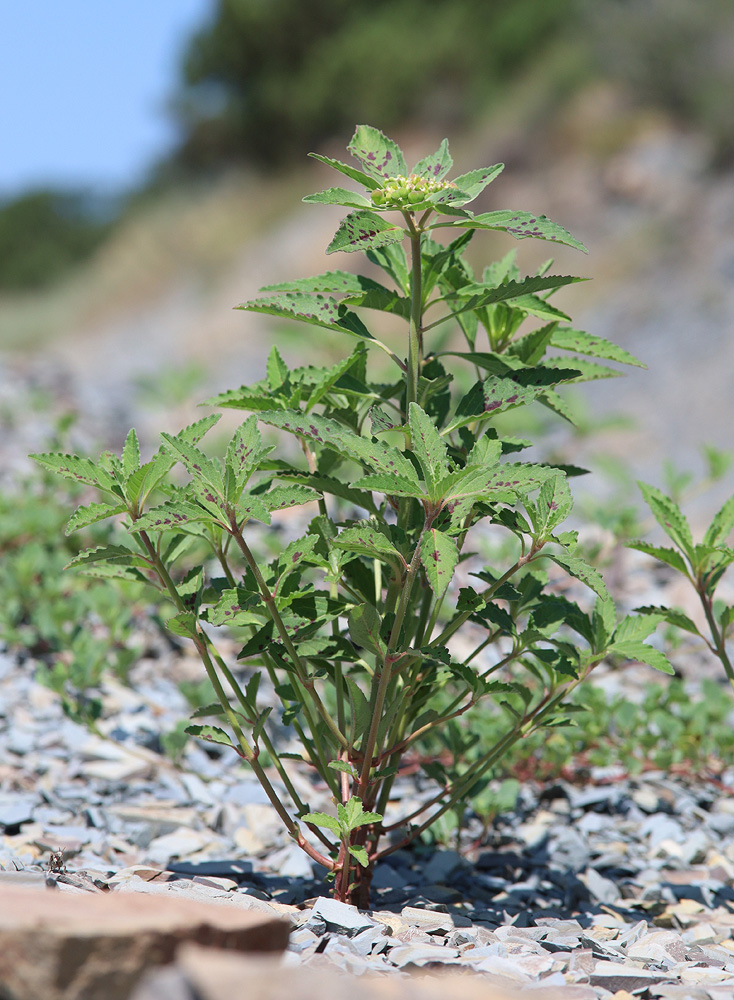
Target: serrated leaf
point(234, 607)
point(593, 346)
point(368, 541)
point(381, 157)
point(359, 708)
point(664, 554)
point(553, 505)
point(439, 556)
point(281, 497)
point(344, 168)
point(670, 615)
point(110, 554)
point(250, 505)
point(196, 463)
point(335, 282)
point(588, 371)
point(84, 516)
point(331, 376)
point(207, 711)
point(244, 451)
point(384, 299)
point(393, 261)
point(477, 296)
point(639, 626)
point(276, 369)
point(642, 653)
point(471, 184)
point(322, 820)
point(364, 628)
point(360, 855)
point(436, 165)
point(669, 516)
point(603, 620)
point(580, 569)
point(343, 766)
point(78, 470)
point(172, 517)
point(364, 230)
point(339, 196)
point(722, 524)
point(130, 454)
point(212, 734)
point(534, 305)
point(352, 814)
point(428, 446)
point(317, 310)
point(183, 624)
point(524, 225)
point(391, 485)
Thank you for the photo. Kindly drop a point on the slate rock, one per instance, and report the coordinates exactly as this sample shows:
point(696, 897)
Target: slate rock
point(342, 918)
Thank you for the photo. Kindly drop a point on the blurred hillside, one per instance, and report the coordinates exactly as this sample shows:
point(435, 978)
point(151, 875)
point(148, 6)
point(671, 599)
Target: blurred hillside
point(612, 118)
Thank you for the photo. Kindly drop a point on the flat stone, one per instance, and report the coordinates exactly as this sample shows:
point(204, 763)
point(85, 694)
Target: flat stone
point(341, 917)
point(428, 920)
point(59, 946)
point(615, 976)
point(16, 809)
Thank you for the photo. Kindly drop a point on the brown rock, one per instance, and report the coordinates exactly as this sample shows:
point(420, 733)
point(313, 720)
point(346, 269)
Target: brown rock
point(209, 974)
point(58, 946)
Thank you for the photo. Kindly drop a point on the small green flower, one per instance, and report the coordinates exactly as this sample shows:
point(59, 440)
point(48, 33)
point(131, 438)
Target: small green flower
point(408, 192)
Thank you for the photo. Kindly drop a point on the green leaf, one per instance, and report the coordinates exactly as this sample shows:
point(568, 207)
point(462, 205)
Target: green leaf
point(234, 608)
point(523, 225)
point(671, 615)
point(553, 505)
point(343, 766)
point(84, 516)
point(332, 376)
point(471, 184)
point(322, 820)
point(173, 517)
point(183, 624)
point(587, 371)
point(580, 569)
point(352, 814)
point(359, 708)
point(130, 454)
point(593, 346)
point(110, 554)
point(336, 282)
point(631, 649)
point(603, 620)
point(78, 470)
point(437, 165)
point(317, 310)
point(212, 734)
point(245, 451)
point(298, 551)
point(721, 525)
point(381, 298)
point(364, 230)
point(381, 157)
point(664, 554)
point(391, 485)
point(352, 172)
point(439, 555)
point(360, 855)
point(277, 369)
point(476, 296)
point(339, 196)
point(368, 541)
point(393, 261)
point(428, 446)
point(197, 464)
point(364, 628)
point(669, 516)
point(281, 497)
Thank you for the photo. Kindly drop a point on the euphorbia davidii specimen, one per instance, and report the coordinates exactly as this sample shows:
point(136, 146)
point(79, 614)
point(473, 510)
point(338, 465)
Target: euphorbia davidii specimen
point(354, 622)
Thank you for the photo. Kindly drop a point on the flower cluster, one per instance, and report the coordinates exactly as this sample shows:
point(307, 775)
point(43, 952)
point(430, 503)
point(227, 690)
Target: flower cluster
point(406, 192)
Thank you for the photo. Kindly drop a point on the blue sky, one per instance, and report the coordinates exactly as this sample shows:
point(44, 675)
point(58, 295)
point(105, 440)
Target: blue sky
point(83, 88)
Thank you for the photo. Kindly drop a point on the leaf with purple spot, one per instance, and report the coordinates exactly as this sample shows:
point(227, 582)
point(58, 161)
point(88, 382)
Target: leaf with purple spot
point(317, 310)
point(437, 165)
point(338, 196)
point(364, 230)
point(380, 156)
point(468, 186)
point(364, 540)
point(524, 225)
point(439, 556)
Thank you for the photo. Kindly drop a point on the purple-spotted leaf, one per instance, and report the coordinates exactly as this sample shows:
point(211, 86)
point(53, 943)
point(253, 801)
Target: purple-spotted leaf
point(593, 346)
point(249, 506)
point(380, 156)
point(384, 299)
point(183, 624)
point(130, 454)
point(553, 505)
point(78, 470)
point(317, 310)
point(383, 421)
point(142, 483)
point(84, 516)
point(331, 376)
point(524, 225)
point(111, 554)
point(367, 541)
point(236, 607)
point(297, 552)
point(392, 485)
point(173, 517)
point(468, 186)
point(364, 230)
point(437, 165)
point(281, 497)
point(439, 555)
point(245, 451)
point(197, 464)
point(588, 371)
point(352, 172)
point(334, 282)
point(338, 196)
point(428, 446)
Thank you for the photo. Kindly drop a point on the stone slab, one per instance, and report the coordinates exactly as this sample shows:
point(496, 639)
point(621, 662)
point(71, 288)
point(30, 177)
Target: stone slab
point(60, 946)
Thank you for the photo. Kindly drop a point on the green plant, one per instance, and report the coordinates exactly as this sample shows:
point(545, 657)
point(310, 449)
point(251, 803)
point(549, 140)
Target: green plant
point(702, 563)
point(355, 622)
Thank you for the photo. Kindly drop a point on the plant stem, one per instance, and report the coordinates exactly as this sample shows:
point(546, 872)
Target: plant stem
point(415, 335)
point(716, 635)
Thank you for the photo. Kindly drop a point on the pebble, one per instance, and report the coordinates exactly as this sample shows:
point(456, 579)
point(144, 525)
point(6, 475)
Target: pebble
point(618, 888)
